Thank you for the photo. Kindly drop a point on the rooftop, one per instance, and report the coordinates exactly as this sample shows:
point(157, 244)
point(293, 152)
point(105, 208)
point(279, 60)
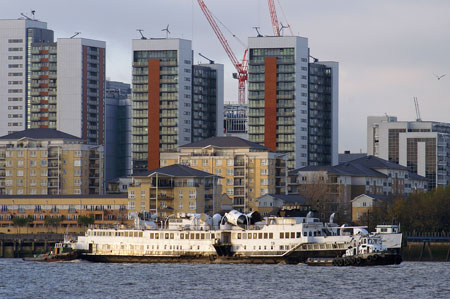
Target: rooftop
point(225, 142)
point(176, 170)
point(363, 166)
point(39, 134)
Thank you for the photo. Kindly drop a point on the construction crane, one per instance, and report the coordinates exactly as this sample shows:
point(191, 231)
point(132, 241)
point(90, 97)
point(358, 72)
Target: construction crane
point(241, 66)
point(416, 104)
point(274, 18)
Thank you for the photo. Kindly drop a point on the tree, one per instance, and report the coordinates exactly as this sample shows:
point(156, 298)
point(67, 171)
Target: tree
point(22, 221)
point(86, 220)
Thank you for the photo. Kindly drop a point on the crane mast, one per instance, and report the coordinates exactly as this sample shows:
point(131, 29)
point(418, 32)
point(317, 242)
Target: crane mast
point(274, 18)
point(241, 67)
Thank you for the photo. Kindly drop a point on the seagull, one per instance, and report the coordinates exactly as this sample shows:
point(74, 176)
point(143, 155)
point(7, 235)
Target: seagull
point(439, 77)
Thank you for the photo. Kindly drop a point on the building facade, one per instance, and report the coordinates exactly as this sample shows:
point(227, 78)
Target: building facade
point(207, 101)
point(236, 120)
point(16, 37)
point(118, 109)
point(81, 88)
point(323, 113)
point(61, 213)
point(422, 146)
point(173, 101)
point(49, 162)
point(162, 104)
point(292, 109)
point(174, 189)
point(247, 170)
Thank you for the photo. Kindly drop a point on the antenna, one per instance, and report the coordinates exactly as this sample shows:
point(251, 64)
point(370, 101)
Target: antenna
point(142, 35)
point(210, 61)
point(167, 31)
point(25, 16)
point(314, 58)
point(416, 104)
point(76, 33)
point(257, 31)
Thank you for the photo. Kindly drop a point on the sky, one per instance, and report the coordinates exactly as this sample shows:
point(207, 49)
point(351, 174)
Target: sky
point(388, 51)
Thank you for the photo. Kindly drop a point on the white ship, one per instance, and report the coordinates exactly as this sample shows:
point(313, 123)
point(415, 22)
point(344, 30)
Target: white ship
point(233, 238)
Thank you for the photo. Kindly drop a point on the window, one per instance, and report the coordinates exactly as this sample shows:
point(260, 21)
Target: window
point(19, 172)
point(33, 163)
point(264, 171)
point(43, 172)
point(218, 162)
point(230, 162)
point(205, 162)
point(180, 194)
point(218, 171)
point(230, 172)
point(192, 193)
point(43, 162)
point(77, 163)
point(192, 205)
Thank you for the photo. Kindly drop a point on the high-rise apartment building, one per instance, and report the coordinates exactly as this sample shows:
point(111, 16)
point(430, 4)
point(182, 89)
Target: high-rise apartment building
point(47, 161)
point(173, 101)
point(67, 87)
point(16, 37)
point(81, 88)
point(117, 130)
point(292, 109)
point(323, 113)
point(207, 101)
point(422, 146)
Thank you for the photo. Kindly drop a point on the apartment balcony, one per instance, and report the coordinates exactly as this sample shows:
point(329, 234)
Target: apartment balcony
point(239, 163)
point(53, 164)
point(239, 173)
point(53, 174)
point(239, 183)
point(94, 174)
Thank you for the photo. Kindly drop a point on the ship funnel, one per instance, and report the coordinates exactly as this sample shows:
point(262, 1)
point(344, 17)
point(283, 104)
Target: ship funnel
point(236, 218)
point(254, 217)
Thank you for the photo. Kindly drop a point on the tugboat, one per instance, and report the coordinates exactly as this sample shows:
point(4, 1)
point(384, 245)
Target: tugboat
point(63, 251)
point(368, 251)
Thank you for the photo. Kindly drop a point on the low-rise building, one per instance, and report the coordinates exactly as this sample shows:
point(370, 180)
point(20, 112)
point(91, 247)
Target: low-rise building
point(333, 187)
point(174, 189)
point(47, 161)
point(364, 204)
point(247, 169)
point(60, 213)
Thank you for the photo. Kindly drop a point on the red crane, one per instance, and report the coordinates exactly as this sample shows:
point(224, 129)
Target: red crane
point(274, 18)
point(241, 67)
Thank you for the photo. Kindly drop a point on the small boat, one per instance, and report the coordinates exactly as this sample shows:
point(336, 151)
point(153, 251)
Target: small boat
point(62, 252)
point(368, 251)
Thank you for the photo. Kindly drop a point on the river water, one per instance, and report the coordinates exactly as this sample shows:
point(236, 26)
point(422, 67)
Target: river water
point(76, 279)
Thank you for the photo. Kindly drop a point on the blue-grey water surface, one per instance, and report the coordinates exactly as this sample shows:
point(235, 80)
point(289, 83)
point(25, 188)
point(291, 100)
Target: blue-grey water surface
point(19, 279)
